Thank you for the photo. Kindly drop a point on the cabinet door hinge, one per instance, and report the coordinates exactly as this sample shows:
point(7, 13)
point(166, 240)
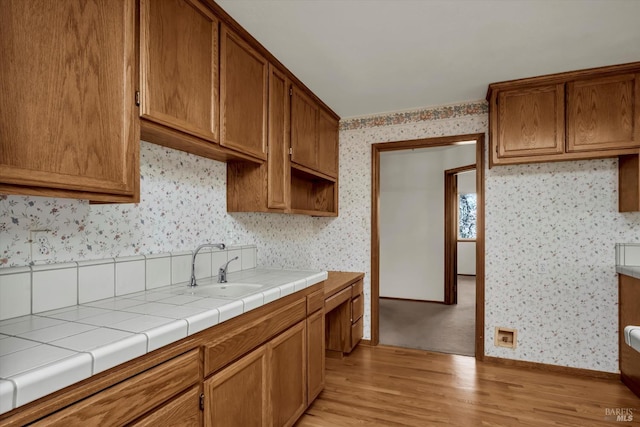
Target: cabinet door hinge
point(137, 98)
point(291, 151)
point(202, 401)
point(290, 91)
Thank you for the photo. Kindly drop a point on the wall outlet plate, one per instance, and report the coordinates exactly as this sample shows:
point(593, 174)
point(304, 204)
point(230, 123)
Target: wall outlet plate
point(40, 244)
point(505, 337)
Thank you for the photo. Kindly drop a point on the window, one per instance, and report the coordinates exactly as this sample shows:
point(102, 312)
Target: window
point(467, 216)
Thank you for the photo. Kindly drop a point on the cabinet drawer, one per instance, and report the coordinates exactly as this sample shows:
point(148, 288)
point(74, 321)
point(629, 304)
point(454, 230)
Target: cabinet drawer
point(184, 411)
point(337, 299)
point(356, 288)
point(315, 301)
point(357, 307)
point(128, 400)
point(226, 349)
point(356, 333)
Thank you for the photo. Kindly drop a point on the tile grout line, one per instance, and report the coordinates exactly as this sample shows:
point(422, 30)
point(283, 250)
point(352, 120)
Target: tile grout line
point(77, 283)
point(31, 289)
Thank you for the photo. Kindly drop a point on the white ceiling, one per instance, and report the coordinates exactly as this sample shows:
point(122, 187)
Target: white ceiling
point(371, 56)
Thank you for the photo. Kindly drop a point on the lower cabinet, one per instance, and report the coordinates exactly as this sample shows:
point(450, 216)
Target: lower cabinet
point(287, 376)
point(238, 395)
point(357, 310)
point(629, 314)
point(315, 355)
point(262, 368)
point(267, 387)
point(344, 309)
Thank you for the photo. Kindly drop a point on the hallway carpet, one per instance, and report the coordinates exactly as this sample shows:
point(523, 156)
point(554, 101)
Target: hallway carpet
point(432, 326)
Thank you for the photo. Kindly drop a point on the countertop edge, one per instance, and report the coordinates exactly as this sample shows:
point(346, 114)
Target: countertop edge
point(632, 271)
point(48, 370)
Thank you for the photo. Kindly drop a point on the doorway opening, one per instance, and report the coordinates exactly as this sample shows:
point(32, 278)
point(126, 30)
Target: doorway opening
point(379, 249)
point(460, 228)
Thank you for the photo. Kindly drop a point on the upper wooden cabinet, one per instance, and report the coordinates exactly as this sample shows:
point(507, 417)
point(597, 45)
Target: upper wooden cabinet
point(327, 143)
point(278, 167)
point(603, 113)
point(279, 141)
point(314, 135)
point(304, 182)
point(244, 75)
point(629, 183)
point(304, 129)
point(179, 66)
point(569, 116)
point(314, 157)
point(530, 121)
point(265, 187)
point(69, 123)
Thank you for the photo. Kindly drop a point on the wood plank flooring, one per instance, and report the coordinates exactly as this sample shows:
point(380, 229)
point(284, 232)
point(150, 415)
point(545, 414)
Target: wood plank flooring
point(389, 386)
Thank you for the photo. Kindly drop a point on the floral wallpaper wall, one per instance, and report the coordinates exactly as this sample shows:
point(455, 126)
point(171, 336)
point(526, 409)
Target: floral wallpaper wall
point(550, 235)
point(183, 204)
point(550, 232)
point(550, 258)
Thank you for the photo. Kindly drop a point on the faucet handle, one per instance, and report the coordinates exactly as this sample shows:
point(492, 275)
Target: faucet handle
point(222, 272)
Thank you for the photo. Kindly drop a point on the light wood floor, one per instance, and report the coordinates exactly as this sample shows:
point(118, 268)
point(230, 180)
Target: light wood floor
point(389, 386)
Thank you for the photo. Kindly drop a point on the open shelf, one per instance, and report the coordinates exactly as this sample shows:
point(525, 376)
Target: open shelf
point(313, 194)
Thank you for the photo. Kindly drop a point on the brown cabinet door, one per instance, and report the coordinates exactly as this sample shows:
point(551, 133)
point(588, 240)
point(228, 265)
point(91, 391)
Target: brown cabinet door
point(238, 395)
point(530, 122)
point(179, 66)
point(603, 113)
point(304, 129)
point(68, 76)
point(244, 77)
point(327, 144)
point(629, 314)
point(315, 355)
point(183, 410)
point(278, 178)
point(288, 385)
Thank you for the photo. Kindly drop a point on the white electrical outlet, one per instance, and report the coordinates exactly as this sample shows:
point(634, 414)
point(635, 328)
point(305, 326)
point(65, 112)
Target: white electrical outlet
point(40, 245)
point(542, 267)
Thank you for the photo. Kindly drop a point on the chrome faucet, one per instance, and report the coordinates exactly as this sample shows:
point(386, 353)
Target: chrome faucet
point(193, 283)
point(222, 273)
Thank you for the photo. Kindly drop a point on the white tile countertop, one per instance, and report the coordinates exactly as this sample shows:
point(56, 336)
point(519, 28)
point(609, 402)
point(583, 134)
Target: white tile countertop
point(45, 352)
point(633, 271)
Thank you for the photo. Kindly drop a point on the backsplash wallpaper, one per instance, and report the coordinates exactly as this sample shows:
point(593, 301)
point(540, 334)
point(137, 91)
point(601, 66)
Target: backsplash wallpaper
point(183, 203)
point(550, 232)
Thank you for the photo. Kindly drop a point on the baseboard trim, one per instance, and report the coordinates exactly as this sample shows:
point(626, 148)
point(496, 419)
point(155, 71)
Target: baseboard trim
point(631, 384)
point(333, 354)
point(552, 368)
point(410, 299)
